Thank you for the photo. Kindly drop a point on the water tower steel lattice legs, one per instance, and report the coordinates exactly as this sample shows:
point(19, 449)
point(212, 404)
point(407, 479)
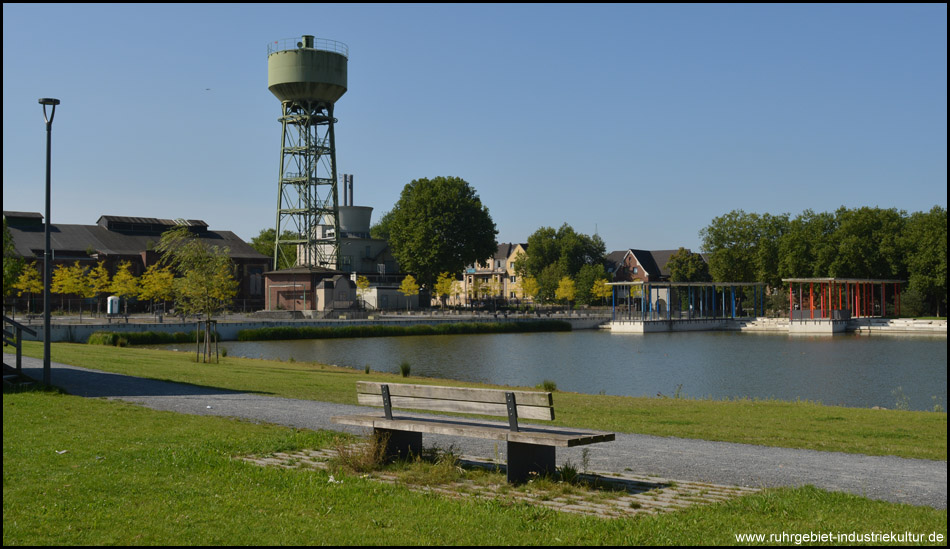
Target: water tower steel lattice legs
point(308, 184)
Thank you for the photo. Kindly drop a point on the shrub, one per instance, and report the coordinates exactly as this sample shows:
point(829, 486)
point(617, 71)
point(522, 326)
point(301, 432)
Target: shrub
point(455, 328)
point(121, 339)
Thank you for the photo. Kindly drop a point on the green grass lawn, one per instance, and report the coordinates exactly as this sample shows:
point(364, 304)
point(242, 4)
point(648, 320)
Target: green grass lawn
point(97, 472)
point(767, 422)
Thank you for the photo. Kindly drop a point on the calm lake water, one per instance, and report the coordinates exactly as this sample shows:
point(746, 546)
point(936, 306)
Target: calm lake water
point(849, 370)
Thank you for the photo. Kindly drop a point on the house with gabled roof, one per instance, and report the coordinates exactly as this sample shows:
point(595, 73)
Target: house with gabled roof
point(492, 279)
point(644, 265)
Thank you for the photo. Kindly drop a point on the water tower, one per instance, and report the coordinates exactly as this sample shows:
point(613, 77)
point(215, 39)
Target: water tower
point(307, 76)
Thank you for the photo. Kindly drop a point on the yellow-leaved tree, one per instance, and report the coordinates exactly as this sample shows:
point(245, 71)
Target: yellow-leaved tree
point(566, 290)
point(409, 288)
point(100, 282)
point(530, 288)
point(124, 284)
point(29, 282)
point(443, 287)
point(158, 284)
point(362, 289)
point(601, 289)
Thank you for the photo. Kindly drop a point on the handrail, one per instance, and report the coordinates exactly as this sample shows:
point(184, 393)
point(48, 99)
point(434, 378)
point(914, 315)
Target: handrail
point(8, 320)
point(16, 339)
point(322, 44)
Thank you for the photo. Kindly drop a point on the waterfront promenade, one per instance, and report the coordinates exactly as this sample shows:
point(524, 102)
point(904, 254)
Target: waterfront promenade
point(888, 478)
point(75, 329)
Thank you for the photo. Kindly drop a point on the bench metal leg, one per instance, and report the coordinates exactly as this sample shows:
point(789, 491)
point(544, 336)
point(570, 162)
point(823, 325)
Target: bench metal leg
point(401, 444)
point(524, 459)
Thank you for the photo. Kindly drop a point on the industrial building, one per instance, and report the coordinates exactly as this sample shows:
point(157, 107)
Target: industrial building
point(114, 239)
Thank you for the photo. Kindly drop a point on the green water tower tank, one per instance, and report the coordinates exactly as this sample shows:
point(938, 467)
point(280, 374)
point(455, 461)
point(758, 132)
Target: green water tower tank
point(309, 70)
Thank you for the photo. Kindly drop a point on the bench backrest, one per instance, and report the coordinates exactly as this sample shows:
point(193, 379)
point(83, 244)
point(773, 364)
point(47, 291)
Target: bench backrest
point(489, 402)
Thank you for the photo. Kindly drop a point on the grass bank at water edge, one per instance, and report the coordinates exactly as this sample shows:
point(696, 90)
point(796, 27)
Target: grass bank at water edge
point(808, 425)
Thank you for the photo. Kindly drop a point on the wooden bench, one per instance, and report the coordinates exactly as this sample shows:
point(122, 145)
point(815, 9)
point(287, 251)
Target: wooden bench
point(530, 449)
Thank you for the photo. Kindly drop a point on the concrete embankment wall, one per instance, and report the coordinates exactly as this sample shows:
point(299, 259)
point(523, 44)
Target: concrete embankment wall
point(898, 326)
point(783, 325)
point(79, 333)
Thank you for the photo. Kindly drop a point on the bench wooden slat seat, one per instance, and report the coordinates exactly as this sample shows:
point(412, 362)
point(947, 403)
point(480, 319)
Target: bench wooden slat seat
point(529, 448)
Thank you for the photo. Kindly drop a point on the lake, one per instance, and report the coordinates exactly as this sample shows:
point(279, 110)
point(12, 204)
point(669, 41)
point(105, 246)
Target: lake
point(850, 370)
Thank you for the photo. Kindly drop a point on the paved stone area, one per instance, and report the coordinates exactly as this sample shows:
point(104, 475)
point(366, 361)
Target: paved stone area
point(617, 495)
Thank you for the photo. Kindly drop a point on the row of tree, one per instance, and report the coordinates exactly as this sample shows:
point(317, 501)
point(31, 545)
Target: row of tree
point(567, 289)
point(84, 281)
point(865, 242)
point(197, 277)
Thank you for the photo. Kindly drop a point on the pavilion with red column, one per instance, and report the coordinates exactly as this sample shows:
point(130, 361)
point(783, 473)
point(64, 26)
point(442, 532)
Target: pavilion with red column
point(817, 301)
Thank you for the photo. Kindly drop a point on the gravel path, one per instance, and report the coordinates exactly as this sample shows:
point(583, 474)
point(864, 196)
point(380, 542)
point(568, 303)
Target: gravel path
point(912, 481)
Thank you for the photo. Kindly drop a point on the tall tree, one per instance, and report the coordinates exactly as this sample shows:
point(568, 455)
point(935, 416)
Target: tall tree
point(731, 240)
point(925, 242)
point(771, 228)
point(206, 283)
point(685, 266)
point(552, 255)
point(586, 278)
point(381, 228)
point(440, 225)
point(868, 243)
point(807, 248)
point(264, 243)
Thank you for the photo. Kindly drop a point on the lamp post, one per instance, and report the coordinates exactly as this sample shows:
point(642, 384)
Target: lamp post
point(48, 259)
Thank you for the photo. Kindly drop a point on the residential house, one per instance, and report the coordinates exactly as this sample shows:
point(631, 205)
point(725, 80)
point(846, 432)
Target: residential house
point(493, 279)
point(643, 266)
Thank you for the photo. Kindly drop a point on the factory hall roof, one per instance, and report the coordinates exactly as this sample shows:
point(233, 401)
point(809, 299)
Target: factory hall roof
point(112, 236)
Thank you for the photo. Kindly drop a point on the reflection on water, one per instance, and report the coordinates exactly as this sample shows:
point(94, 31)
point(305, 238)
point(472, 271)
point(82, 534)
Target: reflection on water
point(848, 370)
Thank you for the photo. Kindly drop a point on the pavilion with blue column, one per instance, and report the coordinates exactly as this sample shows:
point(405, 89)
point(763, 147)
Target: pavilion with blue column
point(685, 301)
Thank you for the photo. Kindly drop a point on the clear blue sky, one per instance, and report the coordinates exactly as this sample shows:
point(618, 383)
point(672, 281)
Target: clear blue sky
point(639, 122)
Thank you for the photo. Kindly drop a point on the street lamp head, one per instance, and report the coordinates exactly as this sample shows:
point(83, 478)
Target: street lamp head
point(49, 117)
